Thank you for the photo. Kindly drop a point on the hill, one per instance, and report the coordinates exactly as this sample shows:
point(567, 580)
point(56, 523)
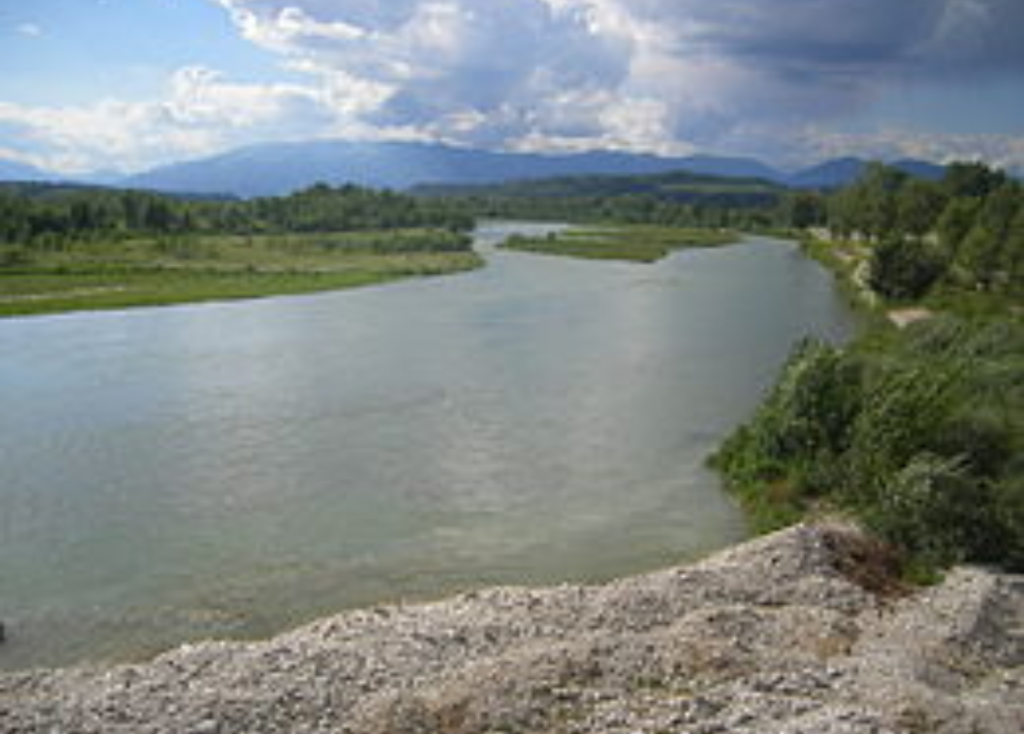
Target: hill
point(17, 171)
point(283, 167)
point(835, 174)
point(280, 168)
point(675, 186)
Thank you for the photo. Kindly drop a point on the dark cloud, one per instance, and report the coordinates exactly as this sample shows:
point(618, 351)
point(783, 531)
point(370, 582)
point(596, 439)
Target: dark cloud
point(783, 79)
point(907, 37)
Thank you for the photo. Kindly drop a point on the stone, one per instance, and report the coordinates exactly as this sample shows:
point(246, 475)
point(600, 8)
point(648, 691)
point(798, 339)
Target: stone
point(785, 633)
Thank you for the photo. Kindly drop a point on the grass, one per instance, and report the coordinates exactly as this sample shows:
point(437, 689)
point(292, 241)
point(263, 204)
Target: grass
point(640, 243)
point(151, 272)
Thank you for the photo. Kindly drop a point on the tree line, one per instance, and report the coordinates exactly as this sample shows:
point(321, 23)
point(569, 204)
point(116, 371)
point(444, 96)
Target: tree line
point(42, 216)
point(965, 230)
point(919, 432)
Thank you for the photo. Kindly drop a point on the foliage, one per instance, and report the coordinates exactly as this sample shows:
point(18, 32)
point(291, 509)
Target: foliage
point(919, 434)
point(80, 287)
point(678, 199)
point(965, 232)
point(67, 248)
point(49, 217)
point(904, 269)
point(638, 243)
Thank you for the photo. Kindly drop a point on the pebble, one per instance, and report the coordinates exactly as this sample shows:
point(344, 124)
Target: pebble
point(743, 642)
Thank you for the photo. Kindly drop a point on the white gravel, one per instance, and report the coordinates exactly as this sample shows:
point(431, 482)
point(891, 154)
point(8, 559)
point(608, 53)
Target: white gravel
point(776, 635)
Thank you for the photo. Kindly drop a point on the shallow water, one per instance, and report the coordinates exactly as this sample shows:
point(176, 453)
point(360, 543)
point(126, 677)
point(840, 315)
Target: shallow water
point(232, 469)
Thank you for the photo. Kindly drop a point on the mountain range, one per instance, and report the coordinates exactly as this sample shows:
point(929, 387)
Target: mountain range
point(15, 171)
point(279, 168)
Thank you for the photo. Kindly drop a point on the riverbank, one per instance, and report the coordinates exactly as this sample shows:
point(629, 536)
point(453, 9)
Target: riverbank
point(800, 631)
point(131, 273)
point(914, 427)
point(637, 243)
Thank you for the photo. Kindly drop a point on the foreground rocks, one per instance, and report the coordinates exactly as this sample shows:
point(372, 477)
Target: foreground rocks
point(797, 632)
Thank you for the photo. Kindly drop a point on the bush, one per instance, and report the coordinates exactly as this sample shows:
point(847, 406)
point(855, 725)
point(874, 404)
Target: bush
point(902, 410)
point(802, 427)
point(904, 269)
point(919, 434)
point(936, 511)
point(14, 257)
point(1008, 504)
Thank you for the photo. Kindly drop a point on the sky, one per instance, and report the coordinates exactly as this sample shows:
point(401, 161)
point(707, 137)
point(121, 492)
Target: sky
point(124, 85)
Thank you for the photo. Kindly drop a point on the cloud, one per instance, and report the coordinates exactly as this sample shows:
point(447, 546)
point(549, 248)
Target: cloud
point(470, 71)
point(201, 114)
point(780, 79)
point(665, 75)
point(31, 30)
point(1005, 151)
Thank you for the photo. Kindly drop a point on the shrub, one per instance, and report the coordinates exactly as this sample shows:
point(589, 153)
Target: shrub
point(936, 511)
point(904, 269)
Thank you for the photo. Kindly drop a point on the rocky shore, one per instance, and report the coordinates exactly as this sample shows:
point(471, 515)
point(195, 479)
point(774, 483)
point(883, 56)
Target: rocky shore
point(801, 631)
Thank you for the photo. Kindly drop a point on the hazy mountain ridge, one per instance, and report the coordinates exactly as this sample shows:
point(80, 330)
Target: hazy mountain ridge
point(279, 168)
point(17, 171)
point(678, 186)
point(842, 171)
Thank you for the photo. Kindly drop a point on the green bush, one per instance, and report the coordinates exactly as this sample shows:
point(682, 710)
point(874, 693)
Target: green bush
point(904, 269)
point(935, 510)
point(918, 433)
point(802, 427)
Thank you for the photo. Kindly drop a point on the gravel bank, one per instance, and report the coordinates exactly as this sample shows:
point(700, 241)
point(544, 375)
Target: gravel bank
point(796, 632)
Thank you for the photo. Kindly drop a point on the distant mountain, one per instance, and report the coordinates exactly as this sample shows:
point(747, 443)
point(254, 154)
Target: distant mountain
point(283, 167)
point(17, 171)
point(22, 172)
point(843, 171)
point(726, 167)
point(279, 168)
point(827, 175)
point(676, 186)
point(921, 169)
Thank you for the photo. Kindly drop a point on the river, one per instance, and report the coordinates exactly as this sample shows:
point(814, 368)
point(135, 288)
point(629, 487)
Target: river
point(225, 470)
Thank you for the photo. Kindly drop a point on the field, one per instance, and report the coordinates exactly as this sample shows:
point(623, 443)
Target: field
point(107, 274)
point(641, 243)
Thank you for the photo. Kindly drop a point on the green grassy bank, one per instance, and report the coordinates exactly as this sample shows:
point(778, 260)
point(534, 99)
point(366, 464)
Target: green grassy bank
point(638, 243)
point(122, 273)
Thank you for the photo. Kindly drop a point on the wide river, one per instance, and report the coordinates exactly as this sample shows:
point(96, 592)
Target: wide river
point(232, 469)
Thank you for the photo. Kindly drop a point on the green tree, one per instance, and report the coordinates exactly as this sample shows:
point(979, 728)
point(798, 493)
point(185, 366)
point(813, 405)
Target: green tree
point(904, 269)
point(971, 180)
point(919, 205)
point(956, 221)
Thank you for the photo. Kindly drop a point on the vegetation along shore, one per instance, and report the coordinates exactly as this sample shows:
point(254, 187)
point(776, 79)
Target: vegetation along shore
point(917, 427)
point(68, 248)
point(639, 243)
point(912, 433)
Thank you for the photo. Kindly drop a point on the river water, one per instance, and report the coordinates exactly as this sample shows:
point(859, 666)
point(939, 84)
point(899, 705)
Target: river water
point(233, 469)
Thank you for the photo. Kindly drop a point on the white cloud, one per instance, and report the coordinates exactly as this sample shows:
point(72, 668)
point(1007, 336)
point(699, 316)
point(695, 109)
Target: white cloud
point(460, 70)
point(756, 77)
point(663, 75)
point(1006, 151)
point(201, 114)
point(32, 30)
